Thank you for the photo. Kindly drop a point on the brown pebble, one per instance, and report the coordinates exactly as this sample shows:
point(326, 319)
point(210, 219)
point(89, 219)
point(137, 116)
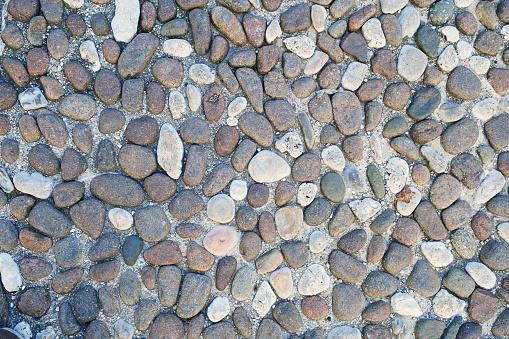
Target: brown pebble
point(397, 95)
point(166, 252)
point(142, 131)
point(306, 167)
point(226, 267)
point(78, 75)
point(37, 61)
point(219, 49)
point(110, 300)
point(226, 140)
point(168, 72)
point(376, 249)
point(406, 231)
point(250, 246)
point(466, 23)
point(329, 77)
point(266, 227)
point(21, 205)
point(104, 271)
point(148, 276)
point(189, 230)
point(246, 218)
point(377, 311)
point(432, 76)
point(111, 51)
point(65, 281)
point(353, 148)
point(370, 90)
point(34, 241)
point(198, 258)
point(255, 29)
point(284, 193)
point(16, 71)
point(147, 16)
point(12, 36)
point(482, 225)
point(257, 195)
point(420, 174)
point(314, 307)
point(5, 125)
point(159, 187)
point(34, 268)
point(213, 103)
point(358, 18)
point(482, 305)
point(76, 25)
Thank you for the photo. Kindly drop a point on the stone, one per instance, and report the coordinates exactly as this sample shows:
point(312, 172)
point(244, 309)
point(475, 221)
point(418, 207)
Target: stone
point(34, 302)
point(411, 63)
point(481, 274)
point(460, 136)
point(463, 84)
point(301, 45)
point(165, 252)
point(137, 54)
point(218, 309)
point(482, 306)
point(424, 279)
point(221, 208)
point(220, 240)
point(288, 316)
point(347, 302)
point(32, 98)
point(227, 24)
point(404, 304)
point(437, 253)
point(10, 272)
point(263, 299)
point(268, 167)
point(489, 187)
point(170, 151)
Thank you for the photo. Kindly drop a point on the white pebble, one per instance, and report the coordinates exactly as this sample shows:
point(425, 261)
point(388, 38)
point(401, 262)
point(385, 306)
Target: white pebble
point(481, 274)
point(74, 4)
point(238, 189)
point(376, 147)
point(125, 22)
point(354, 75)
point(34, 184)
point(318, 16)
point(178, 48)
point(202, 74)
point(344, 332)
point(221, 208)
point(314, 280)
point(317, 241)
point(480, 65)
point(290, 143)
point(397, 174)
point(445, 305)
point(193, 97)
point(463, 3)
point(170, 151)
point(273, 31)
point(218, 309)
point(5, 181)
point(373, 33)
point(464, 49)
point(364, 208)
point(23, 328)
point(503, 104)
point(392, 6)
point(306, 193)
point(263, 299)
point(436, 161)
point(333, 157)
point(232, 121)
point(267, 167)
point(405, 209)
point(411, 62)
point(436, 253)
point(301, 45)
point(490, 186)
point(404, 304)
point(47, 333)
point(485, 109)
point(176, 104)
point(410, 20)
point(316, 63)
point(9, 271)
point(451, 33)
point(448, 59)
point(88, 53)
point(32, 98)
point(503, 231)
point(237, 106)
point(120, 218)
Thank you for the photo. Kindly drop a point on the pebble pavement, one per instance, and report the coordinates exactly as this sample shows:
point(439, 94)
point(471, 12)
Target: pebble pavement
point(236, 168)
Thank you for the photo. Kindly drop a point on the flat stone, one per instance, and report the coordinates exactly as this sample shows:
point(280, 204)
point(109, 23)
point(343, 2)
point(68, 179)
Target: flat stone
point(117, 189)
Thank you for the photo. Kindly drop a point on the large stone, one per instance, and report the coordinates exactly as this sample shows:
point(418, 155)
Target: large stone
point(136, 55)
point(268, 167)
point(48, 220)
point(116, 189)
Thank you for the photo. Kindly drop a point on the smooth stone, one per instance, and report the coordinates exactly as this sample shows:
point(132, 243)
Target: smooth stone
point(220, 240)
point(397, 171)
point(489, 187)
point(314, 280)
point(263, 299)
point(120, 218)
point(281, 282)
point(170, 151)
point(10, 273)
point(404, 304)
point(301, 45)
point(34, 184)
point(365, 208)
point(481, 274)
point(218, 309)
point(125, 21)
point(437, 253)
point(221, 208)
point(268, 167)
point(411, 63)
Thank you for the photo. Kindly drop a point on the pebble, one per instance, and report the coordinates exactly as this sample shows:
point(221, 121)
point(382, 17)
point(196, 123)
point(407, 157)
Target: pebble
point(290, 143)
point(318, 17)
point(170, 151)
point(411, 63)
point(489, 187)
point(10, 272)
point(268, 167)
point(273, 31)
point(315, 63)
point(220, 240)
point(458, 282)
point(407, 208)
point(404, 304)
point(373, 33)
point(482, 305)
point(218, 309)
point(354, 76)
point(238, 190)
point(364, 208)
point(301, 45)
point(282, 283)
point(263, 299)
point(481, 274)
point(344, 331)
point(437, 253)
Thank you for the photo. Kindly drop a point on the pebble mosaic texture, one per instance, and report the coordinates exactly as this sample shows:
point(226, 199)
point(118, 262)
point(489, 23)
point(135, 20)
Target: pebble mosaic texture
point(331, 169)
